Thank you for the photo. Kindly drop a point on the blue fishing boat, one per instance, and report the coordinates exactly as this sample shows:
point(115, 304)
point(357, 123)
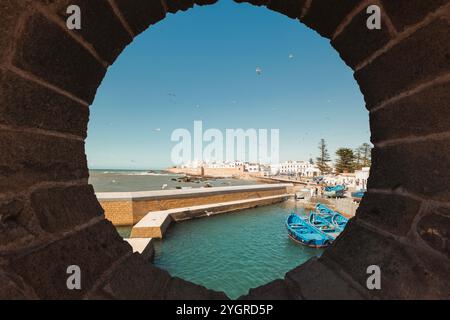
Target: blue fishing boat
point(358, 195)
point(302, 232)
point(324, 225)
point(332, 216)
point(334, 192)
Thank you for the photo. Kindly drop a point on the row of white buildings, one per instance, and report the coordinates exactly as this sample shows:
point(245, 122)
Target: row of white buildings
point(291, 168)
point(297, 169)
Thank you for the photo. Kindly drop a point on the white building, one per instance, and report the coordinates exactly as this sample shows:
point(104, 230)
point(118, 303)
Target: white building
point(252, 168)
point(362, 176)
point(299, 168)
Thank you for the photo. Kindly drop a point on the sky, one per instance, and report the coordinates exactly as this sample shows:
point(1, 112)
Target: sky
point(201, 65)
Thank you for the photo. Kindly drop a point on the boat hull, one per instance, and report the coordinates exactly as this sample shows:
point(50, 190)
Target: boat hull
point(302, 232)
point(308, 245)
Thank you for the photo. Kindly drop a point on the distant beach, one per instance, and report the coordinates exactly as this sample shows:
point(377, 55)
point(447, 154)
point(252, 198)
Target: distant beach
point(105, 180)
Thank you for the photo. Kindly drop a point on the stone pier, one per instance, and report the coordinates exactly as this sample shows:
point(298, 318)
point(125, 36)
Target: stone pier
point(128, 208)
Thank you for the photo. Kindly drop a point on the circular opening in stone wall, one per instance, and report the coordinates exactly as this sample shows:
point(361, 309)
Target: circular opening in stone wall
point(51, 224)
point(160, 128)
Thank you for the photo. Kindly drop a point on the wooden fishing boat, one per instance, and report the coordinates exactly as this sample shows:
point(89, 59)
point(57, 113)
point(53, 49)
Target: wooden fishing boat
point(358, 195)
point(324, 225)
point(332, 216)
point(334, 192)
point(302, 232)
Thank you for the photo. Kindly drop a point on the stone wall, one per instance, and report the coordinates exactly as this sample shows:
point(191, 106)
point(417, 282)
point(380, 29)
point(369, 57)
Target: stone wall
point(50, 217)
point(126, 209)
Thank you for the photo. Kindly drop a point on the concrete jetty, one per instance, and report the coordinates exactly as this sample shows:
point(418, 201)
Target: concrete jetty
point(128, 208)
point(143, 246)
point(154, 224)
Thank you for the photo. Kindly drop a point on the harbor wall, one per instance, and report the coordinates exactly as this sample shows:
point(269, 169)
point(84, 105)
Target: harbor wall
point(128, 208)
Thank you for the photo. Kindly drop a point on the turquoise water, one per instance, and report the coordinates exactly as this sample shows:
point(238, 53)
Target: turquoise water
point(233, 252)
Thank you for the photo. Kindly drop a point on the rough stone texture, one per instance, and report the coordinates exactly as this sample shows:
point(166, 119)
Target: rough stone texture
point(13, 287)
point(34, 262)
point(60, 209)
point(93, 249)
point(39, 158)
point(65, 65)
point(178, 289)
point(176, 5)
point(275, 290)
point(356, 42)
point(28, 104)
point(100, 26)
point(325, 16)
point(407, 12)
point(392, 213)
point(11, 11)
point(254, 2)
point(315, 281)
point(290, 8)
point(18, 226)
point(434, 229)
point(406, 273)
point(135, 279)
point(394, 72)
point(421, 167)
point(426, 112)
point(139, 14)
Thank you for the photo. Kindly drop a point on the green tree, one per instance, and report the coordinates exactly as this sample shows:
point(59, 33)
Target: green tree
point(366, 155)
point(324, 158)
point(345, 161)
point(358, 158)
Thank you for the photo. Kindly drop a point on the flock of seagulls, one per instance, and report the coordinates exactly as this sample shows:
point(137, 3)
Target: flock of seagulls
point(259, 72)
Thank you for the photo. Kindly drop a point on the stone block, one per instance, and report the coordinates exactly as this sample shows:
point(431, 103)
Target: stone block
point(50, 53)
point(315, 281)
point(59, 209)
point(404, 13)
point(28, 104)
point(426, 112)
point(420, 58)
point(434, 229)
point(275, 290)
point(27, 159)
point(99, 26)
point(290, 8)
point(139, 14)
point(421, 167)
point(325, 16)
point(406, 272)
point(392, 213)
point(93, 249)
point(356, 42)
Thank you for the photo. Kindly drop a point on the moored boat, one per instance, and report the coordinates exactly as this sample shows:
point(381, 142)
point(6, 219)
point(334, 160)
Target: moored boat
point(334, 192)
point(332, 216)
point(324, 225)
point(358, 195)
point(302, 232)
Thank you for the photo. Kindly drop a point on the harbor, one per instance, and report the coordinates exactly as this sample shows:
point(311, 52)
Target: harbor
point(192, 231)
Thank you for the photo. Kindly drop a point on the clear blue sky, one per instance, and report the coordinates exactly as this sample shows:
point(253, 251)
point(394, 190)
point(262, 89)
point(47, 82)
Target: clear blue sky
point(200, 65)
